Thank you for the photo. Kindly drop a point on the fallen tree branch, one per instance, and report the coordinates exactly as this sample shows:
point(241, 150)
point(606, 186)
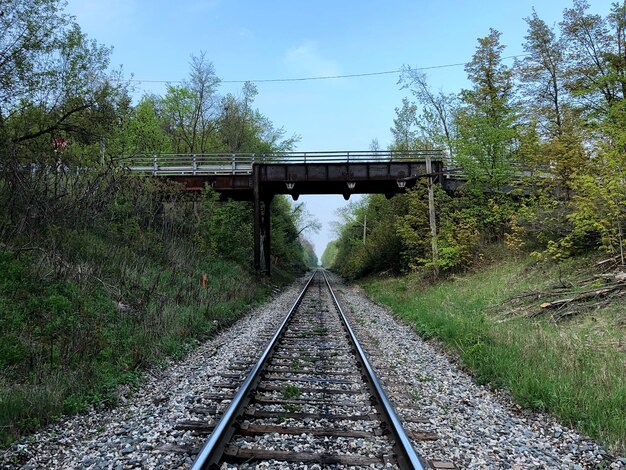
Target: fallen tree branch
point(583, 296)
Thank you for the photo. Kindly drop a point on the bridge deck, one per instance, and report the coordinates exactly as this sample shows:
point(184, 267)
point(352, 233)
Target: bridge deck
point(295, 173)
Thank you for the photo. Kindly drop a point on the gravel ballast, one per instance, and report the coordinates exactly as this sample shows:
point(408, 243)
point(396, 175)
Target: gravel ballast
point(475, 427)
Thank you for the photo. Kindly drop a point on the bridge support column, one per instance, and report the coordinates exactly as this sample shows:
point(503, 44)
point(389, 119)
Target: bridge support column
point(257, 218)
point(266, 236)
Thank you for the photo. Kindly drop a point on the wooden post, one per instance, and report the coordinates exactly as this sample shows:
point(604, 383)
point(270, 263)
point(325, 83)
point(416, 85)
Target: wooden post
point(431, 214)
point(266, 235)
point(257, 218)
point(364, 228)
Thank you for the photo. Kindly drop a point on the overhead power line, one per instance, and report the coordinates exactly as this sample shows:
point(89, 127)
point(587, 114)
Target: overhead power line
point(328, 77)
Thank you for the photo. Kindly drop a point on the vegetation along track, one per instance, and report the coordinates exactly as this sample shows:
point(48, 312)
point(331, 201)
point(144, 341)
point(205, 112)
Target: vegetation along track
point(312, 398)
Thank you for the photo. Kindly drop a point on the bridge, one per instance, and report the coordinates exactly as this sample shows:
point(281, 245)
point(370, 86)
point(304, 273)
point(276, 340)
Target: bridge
point(259, 177)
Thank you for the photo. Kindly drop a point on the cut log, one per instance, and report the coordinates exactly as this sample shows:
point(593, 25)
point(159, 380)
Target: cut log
point(556, 303)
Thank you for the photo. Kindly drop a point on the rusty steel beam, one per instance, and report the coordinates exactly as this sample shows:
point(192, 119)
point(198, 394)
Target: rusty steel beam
point(266, 235)
point(257, 220)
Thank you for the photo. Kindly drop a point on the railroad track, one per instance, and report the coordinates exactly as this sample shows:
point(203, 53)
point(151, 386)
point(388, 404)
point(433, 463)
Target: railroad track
point(311, 398)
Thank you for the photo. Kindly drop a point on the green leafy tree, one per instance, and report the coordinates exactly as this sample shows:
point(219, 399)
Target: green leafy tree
point(591, 77)
point(310, 258)
point(403, 131)
point(227, 228)
point(600, 206)
point(486, 140)
point(542, 77)
point(368, 241)
point(245, 129)
point(596, 52)
point(56, 88)
point(435, 124)
point(58, 103)
point(146, 130)
point(287, 247)
point(190, 110)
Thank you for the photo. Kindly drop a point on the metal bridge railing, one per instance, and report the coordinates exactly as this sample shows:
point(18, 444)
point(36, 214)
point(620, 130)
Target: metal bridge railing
point(241, 163)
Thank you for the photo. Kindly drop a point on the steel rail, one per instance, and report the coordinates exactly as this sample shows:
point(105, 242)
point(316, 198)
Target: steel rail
point(212, 450)
point(408, 456)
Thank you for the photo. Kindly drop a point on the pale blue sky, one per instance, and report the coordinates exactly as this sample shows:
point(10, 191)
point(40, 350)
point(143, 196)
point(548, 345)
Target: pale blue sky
point(249, 40)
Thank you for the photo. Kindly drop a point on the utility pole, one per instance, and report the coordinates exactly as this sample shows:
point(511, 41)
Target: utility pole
point(431, 214)
point(364, 228)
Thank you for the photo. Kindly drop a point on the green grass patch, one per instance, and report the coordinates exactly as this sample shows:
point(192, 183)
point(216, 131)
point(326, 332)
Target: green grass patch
point(291, 391)
point(574, 369)
point(77, 324)
point(292, 407)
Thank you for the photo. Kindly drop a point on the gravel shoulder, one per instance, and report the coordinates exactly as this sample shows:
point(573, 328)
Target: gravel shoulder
point(474, 427)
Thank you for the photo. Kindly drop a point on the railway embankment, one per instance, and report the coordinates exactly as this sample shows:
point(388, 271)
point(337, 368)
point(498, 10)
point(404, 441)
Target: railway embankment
point(115, 275)
point(80, 328)
point(553, 337)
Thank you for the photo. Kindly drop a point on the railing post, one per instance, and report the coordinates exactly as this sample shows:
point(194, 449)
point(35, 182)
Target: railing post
point(155, 166)
point(234, 165)
point(348, 154)
point(194, 165)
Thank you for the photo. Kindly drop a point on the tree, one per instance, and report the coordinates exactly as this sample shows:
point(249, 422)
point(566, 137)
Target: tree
point(287, 243)
point(190, 109)
point(485, 122)
point(310, 258)
point(404, 134)
point(244, 129)
point(375, 145)
point(56, 86)
point(542, 77)
point(304, 221)
point(367, 237)
point(146, 129)
point(436, 123)
point(28, 32)
point(329, 255)
point(600, 204)
point(58, 103)
point(591, 77)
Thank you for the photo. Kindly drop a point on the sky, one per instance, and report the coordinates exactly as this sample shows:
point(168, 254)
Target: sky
point(276, 39)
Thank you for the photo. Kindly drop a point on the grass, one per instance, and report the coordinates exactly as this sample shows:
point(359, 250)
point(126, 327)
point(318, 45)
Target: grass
point(317, 331)
point(574, 369)
point(70, 338)
point(291, 391)
point(292, 407)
